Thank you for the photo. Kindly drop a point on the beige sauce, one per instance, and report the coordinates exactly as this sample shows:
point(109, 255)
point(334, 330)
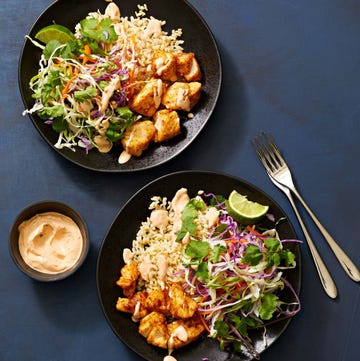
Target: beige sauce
point(124, 157)
point(127, 255)
point(179, 333)
point(145, 267)
point(183, 100)
point(136, 315)
point(112, 11)
point(169, 358)
point(102, 143)
point(178, 203)
point(50, 242)
point(158, 90)
point(159, 218)
point(153, 28)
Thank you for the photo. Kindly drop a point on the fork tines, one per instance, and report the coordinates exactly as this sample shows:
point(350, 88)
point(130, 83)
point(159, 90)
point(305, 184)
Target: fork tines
point(268, 152)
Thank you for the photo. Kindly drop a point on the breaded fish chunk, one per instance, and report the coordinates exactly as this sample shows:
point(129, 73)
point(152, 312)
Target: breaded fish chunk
point(138, 137)
point(158, 300)
point(167, 125)
point(192, 328)
point(187, 67)
point(148, 99)
point(164, 65)
point(128, 278)
point(153, 328)
point(181, 305)
point(182, 96)
point(134, 305)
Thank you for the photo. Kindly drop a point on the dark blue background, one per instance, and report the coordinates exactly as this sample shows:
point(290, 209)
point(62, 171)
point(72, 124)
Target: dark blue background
point(290, 67)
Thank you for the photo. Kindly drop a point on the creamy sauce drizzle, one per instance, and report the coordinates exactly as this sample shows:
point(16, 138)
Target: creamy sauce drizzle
point(124, 157)
point(180, 333)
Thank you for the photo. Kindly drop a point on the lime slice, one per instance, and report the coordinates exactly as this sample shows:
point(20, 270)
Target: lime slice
point(245, 211)
point(55, 32)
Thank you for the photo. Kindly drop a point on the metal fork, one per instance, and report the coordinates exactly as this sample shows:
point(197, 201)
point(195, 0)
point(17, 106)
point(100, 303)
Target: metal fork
point(277, 169)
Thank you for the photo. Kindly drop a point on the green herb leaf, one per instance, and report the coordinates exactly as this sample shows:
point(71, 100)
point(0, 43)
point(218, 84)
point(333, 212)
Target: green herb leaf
point(241, 323)
point(124, 112)
point(272, 244)
point(197, 250)
point(100, 31)
point(252, 255)
point(188, 216)
point(216, 252)
point(82, 95)
point(51, 112)
point(221, 328)
point(59, 124)
point(203, 271)
point(55, 48)
point(288, 256)
point(268, 306)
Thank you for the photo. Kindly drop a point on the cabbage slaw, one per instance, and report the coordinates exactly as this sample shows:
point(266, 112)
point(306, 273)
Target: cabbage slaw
point(236, 275)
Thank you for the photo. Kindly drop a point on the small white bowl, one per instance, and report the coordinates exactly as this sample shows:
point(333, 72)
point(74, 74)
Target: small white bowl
point(38, 208)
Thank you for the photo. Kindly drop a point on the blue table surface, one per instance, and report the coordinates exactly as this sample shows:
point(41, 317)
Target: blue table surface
point(289, 67)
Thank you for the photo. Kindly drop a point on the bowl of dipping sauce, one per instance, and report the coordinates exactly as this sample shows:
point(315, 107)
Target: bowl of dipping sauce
point(49, 241)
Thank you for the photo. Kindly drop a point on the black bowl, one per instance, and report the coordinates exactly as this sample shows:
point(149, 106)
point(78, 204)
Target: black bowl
point(37, 208)
point(198, 39)
point(122, 232)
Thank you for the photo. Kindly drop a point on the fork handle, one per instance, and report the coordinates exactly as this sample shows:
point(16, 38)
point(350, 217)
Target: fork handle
point(346, 263)
point(325, 277)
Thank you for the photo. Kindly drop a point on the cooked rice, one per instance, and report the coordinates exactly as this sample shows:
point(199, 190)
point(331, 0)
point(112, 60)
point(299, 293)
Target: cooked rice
point(151, 241)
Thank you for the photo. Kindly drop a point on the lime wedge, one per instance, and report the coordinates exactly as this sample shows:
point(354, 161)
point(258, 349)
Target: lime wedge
point(245, 211)
point(55, 32)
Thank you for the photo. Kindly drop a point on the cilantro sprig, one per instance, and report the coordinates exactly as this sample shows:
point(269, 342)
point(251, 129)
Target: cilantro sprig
point(188, 216)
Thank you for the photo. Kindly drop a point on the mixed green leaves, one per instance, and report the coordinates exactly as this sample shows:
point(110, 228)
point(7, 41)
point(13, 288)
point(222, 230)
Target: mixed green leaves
point(188, 216)
point(96, 31)
point(118, 125)
point(274, 254)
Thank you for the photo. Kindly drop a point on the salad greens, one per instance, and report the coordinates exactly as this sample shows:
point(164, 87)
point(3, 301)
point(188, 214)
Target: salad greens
point(70, 86)
point(236, 275)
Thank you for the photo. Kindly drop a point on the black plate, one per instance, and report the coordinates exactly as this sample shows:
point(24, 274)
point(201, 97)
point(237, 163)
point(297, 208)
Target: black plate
point(198, 39)
point(123, 231)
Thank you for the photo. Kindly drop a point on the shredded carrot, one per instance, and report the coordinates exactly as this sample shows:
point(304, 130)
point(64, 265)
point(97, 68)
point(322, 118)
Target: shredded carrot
point(87, 57)
point(67, 87)
point(204, 323)
point(254, 232)
point(242, 240)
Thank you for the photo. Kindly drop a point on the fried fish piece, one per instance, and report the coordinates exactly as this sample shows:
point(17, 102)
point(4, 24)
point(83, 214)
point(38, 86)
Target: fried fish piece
point(164, 65)
point(148, 99)
point(182, 96)
point(183, 332)
point(167, 125)
point(158, 300)
point(136, 305)
point(128, 278)
point(153, 328)
point(138, 137)
point(181, 305)
point(187, 67)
